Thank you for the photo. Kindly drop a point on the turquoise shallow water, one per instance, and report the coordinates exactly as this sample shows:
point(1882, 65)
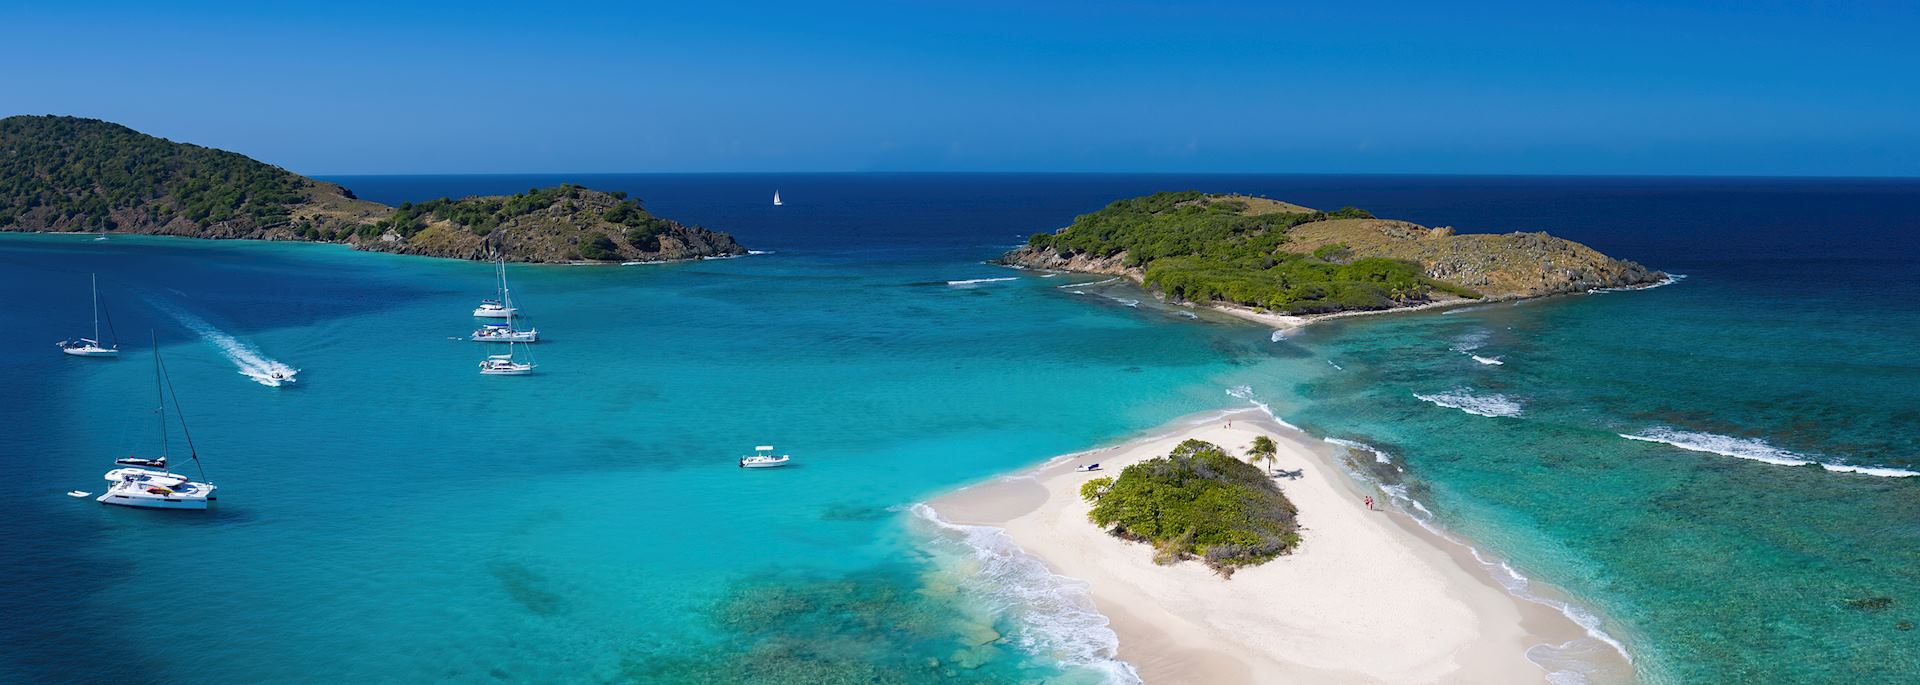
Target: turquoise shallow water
point(587, 525)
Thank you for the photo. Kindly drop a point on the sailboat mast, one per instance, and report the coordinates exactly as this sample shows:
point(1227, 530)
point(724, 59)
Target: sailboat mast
point(96, 309)
point(160, 391)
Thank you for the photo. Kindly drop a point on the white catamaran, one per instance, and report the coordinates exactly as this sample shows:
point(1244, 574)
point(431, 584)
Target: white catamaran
point(91, 347)
point(146, 483)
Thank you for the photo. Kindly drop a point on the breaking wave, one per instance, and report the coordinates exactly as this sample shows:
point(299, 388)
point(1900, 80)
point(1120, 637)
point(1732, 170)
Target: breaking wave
point(1055, 614)
point(978, 281)
point(1478, 405)
point(1754, 449)
point(1088, 284)
point(1669, 280)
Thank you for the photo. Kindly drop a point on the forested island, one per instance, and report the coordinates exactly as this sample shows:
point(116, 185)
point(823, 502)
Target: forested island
point(1284, 258)
point(86, 175)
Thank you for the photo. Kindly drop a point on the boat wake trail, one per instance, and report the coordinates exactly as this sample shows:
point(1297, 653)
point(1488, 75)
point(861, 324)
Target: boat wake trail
point(1478, 405)
point(247, 358)
point(1054, 614)
point(1754, 449)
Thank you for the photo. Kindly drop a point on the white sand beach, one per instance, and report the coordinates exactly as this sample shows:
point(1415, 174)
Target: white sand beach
point(1369, 596)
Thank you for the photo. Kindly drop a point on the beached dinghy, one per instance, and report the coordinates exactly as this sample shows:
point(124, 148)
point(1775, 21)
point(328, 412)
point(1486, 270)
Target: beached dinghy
point(1087, 467)
point(763, 458)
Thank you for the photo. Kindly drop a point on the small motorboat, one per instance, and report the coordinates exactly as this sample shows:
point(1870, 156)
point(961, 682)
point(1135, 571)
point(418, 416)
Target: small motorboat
point(81, 493)
point(763, 458)
point(1087, 467)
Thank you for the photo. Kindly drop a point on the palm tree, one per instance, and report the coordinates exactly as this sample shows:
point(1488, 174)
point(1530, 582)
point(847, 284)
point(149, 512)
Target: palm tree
point(1263, 449)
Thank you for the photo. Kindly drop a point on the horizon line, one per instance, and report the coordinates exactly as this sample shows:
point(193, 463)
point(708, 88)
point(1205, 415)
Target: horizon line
point(1787, 177)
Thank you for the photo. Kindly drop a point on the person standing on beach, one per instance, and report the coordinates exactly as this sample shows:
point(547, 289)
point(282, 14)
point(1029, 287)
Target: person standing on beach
point(1369, 502)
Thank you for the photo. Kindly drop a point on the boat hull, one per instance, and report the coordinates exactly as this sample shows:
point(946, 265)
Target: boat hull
point(484, 313)
point(152, 501)
point(516, 336)
point(90, 351)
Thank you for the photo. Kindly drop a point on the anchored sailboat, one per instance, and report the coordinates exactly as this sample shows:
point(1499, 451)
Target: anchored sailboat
point(147, 484)
point(506, 364)
point(504, 332)
point(91, 347)
point(502, 306)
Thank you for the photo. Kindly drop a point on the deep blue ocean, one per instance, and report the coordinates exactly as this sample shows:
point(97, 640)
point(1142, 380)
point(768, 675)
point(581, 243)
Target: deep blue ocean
point(1712, 469)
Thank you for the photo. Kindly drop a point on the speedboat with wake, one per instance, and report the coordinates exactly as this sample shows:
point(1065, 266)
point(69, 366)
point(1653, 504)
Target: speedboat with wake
point(275, 378)
point(144, 482)
point(763, 458)
point(91, 347)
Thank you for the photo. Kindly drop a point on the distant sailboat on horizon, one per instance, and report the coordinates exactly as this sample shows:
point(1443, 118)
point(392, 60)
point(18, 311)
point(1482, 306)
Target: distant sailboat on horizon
point(776, 198)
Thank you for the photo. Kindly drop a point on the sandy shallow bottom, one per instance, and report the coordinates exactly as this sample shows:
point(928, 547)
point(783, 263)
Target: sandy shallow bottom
point(1369, 597)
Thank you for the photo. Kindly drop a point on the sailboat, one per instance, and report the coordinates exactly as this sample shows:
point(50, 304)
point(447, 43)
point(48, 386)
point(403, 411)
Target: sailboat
point(504, 332)
point(147, 484)
point(91, 347)
point(776, 198)
point(497, 308)
point(505, 365)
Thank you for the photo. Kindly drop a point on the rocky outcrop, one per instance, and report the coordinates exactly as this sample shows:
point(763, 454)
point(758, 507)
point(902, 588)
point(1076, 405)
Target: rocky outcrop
point(1030, 257)
point(1499, 266)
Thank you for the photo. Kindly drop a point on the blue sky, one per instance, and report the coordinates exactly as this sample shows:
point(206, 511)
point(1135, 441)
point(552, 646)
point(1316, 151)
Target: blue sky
point(1761, 87)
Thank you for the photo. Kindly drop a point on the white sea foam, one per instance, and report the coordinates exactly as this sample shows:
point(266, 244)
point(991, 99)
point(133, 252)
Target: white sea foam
point(1378, 455)
point(1278, 335)
point(1491, 361)
point(1669, 280)
point(1472, 341)
point(1055, 613)
point(1187, 314)
point(978, 281)
point(1478, 405)
point(1754, 449)
point(1089, 284)
point(759, 251)
point(1125, 301)
point(250, 361)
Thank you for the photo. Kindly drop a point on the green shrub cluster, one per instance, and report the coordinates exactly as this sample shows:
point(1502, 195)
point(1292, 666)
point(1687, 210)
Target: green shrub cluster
point(1197, 501)
point(83, 170)
point(1201, 247)
point(481, 215)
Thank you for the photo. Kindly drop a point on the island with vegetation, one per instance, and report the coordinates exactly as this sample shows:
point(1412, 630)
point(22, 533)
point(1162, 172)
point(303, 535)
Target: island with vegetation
point(1197, 502)
point(85, 175)
point(1251, 252)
